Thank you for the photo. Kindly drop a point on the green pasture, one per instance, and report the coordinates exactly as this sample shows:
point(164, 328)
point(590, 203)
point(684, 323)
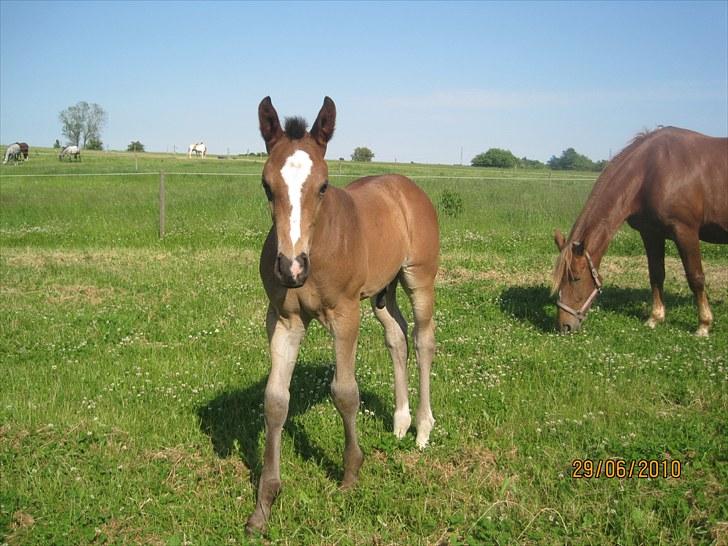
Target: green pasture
point(133, 371)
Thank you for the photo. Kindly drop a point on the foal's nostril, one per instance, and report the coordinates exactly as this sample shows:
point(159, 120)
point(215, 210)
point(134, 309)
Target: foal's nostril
point(565, 328)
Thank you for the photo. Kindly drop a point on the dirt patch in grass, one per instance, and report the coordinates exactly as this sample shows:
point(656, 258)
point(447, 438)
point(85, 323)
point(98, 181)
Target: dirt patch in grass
point(626, 271)
point(21, 523)
point(41, 258)
point(93, 295)
point(186, 464)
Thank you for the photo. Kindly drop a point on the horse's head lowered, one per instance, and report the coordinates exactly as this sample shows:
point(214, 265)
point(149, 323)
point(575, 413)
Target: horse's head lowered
point(577, 281)
point(295, 180)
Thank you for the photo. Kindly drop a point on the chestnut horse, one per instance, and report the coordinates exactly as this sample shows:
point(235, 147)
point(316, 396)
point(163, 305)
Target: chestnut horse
point(328, 249)
point(670, 183)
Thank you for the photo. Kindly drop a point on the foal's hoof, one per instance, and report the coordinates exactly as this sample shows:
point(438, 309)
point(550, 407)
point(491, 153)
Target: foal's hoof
point(702, 331)
point(424, 427)
point(256, 524)
point(402, 422)
point(651, 323)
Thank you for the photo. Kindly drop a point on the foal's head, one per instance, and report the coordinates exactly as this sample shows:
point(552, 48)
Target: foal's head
point(295, 180)
point(577, 282)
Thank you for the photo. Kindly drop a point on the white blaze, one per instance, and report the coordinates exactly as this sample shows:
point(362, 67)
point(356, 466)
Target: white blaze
point(295, 172)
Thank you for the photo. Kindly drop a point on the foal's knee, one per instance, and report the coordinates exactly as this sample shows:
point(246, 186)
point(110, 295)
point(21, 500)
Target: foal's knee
point(345, 396)
point(276, 405)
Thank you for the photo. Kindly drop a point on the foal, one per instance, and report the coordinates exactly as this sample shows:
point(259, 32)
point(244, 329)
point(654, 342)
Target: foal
point(328, 249)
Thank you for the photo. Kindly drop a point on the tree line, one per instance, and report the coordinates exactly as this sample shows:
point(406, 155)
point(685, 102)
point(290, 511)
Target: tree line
point(568, 160)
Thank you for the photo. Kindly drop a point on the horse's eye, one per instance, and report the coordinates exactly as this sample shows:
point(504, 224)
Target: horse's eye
point(325, 187)
point(268, 193)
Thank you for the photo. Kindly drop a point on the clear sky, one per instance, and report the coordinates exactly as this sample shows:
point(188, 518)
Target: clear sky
point(412, 81)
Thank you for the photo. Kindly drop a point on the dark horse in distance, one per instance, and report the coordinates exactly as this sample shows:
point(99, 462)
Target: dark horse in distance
point(670, 183)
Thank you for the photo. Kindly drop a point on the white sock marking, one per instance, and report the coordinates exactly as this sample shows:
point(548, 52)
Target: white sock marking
point(295, 171)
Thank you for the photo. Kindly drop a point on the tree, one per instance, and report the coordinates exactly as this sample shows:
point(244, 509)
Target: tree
point(57, 144)
point(135, 146)
point(531, 163)
point(495, 157)
point(82, 122)
point(570, 160)
point(362, 153)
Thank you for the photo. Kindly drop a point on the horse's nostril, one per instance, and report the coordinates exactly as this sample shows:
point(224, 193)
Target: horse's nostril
point(566, 328)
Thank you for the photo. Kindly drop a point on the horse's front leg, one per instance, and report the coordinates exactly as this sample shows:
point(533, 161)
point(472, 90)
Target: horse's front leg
point(345, 393)
point(285, 337)
point(655, 249)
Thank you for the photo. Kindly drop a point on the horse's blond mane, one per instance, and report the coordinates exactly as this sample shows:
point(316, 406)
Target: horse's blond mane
point(562, 267)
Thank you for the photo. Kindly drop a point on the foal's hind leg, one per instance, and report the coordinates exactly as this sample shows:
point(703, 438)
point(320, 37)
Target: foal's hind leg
point(688, 244)
point(395, 338)
point(655, 248)
point(421, 289)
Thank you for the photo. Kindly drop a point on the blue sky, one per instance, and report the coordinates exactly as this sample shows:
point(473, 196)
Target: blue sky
point(412, 81)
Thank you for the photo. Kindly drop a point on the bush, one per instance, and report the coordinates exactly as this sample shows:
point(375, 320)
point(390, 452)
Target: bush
point(451, 203)
point(135, 146)
point(57, 145)
point(362, 153)
point(94, 143)
point(495, 157)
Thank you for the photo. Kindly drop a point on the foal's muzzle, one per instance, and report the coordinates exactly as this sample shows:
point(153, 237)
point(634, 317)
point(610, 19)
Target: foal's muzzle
point(291, 274)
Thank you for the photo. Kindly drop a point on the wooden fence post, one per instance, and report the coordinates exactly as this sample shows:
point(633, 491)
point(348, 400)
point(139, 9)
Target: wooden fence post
point(161, 205)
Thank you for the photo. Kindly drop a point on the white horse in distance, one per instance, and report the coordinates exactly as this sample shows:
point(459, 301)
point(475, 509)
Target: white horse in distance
point(199, 149)
point(72, 152)
point(12, 152)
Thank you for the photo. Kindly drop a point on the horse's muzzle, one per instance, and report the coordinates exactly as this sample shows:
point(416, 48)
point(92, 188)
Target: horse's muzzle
point(568, 325)
point(291, 274)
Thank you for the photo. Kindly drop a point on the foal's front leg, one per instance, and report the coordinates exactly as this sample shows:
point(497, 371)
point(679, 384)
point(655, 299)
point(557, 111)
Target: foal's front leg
point(344, 390)
point(285, 338)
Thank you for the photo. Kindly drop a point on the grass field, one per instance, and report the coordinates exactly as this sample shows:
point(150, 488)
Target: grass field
point(134, 369)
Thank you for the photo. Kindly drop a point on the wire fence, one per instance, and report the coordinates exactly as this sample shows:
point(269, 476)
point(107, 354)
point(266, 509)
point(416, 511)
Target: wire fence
point(353, 175)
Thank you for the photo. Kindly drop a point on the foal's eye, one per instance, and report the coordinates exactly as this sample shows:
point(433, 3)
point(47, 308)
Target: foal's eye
point(268, 193)
point(323, 188)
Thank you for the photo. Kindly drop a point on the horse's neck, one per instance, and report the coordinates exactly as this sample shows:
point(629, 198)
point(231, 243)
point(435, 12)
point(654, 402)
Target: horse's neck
point(612, 200)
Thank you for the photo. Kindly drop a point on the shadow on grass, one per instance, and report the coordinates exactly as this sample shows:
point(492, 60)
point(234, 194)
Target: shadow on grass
point(234, 420)
point(535, 304)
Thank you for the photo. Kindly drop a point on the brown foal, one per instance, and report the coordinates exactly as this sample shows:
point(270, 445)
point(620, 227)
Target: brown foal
point(668, 184)
point(328, 249)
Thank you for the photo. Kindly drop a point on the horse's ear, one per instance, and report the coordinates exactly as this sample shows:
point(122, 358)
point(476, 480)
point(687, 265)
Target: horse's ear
point(559, 240)
point(270, 127)
point(578, 248)
point(323, 127)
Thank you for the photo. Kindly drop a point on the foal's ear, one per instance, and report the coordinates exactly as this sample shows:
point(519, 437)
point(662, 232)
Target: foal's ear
point(578, 248)
point(323, 127)
point(270, 127)
point(559, 240)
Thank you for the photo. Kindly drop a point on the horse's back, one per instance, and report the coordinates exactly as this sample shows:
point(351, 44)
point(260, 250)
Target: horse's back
point(687, 180)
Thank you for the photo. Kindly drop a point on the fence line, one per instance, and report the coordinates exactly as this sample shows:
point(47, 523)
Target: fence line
point(438, 177)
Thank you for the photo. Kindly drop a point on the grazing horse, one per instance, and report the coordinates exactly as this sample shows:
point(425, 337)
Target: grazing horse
point(72, 152)
point(328, 249)
point(199, 149)
point(670, 183)
point(12, 152)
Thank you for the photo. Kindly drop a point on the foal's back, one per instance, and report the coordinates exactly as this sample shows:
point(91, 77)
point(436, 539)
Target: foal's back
point(399, 226)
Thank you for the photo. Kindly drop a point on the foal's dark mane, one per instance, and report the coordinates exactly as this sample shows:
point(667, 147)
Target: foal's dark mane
point(295, 127)
point(615, 186)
